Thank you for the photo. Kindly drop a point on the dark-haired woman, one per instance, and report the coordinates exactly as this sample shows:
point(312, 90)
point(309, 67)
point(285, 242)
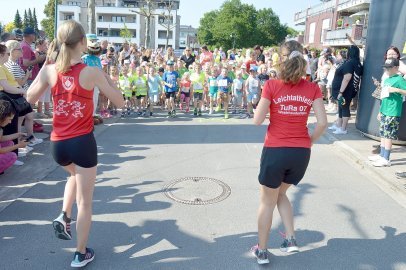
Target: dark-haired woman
point(345, 87)
point(286, 150)
point(73, 145)
point(7, 146)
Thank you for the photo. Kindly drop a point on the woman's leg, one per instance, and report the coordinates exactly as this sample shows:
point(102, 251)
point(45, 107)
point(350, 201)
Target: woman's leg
point(29, 123)
point(269, 198)
point(70, 190)
point(85, 180)
point(285, 210)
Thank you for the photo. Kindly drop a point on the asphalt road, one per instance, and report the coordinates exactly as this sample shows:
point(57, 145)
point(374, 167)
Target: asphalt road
point(343, 220)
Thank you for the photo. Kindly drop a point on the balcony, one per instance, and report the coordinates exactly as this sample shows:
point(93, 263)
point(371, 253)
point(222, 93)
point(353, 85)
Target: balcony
point(114, 10)
point(352, 6)
point(300, 17)
point(338, 37)
point(118, 25)
point(68, 9)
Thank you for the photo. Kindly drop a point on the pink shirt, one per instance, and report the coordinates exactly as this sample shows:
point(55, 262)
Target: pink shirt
point(28, 54)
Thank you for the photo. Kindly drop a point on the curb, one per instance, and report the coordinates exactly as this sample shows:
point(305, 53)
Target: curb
point(389, 186)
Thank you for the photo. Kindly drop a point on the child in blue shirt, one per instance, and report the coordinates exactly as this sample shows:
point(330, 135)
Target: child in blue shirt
point(224, 83)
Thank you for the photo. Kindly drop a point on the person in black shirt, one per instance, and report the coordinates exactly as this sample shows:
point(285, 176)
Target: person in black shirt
point(260, 55)
point(313, 62)
point(187, 57)
point(345, 87)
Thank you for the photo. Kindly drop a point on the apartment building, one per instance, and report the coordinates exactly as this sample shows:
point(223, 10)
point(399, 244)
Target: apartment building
point(329, 23)
point(188, 37)
point(113, 15)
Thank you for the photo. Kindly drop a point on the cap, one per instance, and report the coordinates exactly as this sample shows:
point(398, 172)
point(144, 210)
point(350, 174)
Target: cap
point(29, 31)
point(161, 69)
point(91, 37)
point(93, 46)
point(253, 68)
point(243, 66)
point(391, 62)
point(17, 32)
point(170, 63)
point(326, 50)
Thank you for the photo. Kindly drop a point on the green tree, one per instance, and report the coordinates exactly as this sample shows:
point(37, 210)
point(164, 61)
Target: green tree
point(35, 21)
point(125, 33)
point(26, 21)
point(242, 24)
point(17, 20)
point(30, 18)
point(9, 27)
point(48, 23)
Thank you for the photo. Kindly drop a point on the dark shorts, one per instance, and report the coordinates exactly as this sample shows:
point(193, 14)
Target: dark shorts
point(133, 94)
point(389, 127)
point(198, 96)
point(170, 94)
point(283, 164)
point(81, 151)
point(141, 96)
point(344, 110)
point(184, 94)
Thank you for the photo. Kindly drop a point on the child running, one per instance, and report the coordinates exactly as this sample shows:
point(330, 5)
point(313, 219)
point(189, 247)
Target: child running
point(185, 85)
point(198, 78)
point(224, 83)
point(154, 85)
point(170, 80)
point(213, 87)
point(126, 89)
point(252, 91)
point(140, 83)
point(238, 90)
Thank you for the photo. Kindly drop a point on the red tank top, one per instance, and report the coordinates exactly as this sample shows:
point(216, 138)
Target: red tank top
point(73, 106)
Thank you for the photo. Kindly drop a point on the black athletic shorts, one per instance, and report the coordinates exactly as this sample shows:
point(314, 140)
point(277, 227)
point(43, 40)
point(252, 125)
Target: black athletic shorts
point(283, 164)
point(140, 96)
point(170, 94)
point(81, 151)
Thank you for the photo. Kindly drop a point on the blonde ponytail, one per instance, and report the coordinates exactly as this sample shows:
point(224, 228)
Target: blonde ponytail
point(70, 33)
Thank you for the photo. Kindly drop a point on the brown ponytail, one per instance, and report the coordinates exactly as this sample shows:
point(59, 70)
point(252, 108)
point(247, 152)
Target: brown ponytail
point(70, 33)
point(294, 67)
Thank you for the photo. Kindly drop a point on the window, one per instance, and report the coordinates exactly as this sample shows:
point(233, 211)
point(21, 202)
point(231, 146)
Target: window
point(312, 29)
point(325, 26)
point(164, 20)
point(119, 19)
point(74, 3)
point(114, 33)
point(162, 34)
point(100, 33)
point(69, 17)
point(101, 19)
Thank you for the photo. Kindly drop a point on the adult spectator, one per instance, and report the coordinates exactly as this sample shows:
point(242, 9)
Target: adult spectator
point(103, 45)
point(275, 58)
point(345, 87)
point(124, 53)
point(206, 56)
point(222, 53)
point(4, 37)
point(313, 63)
point(187, 57)
point(307, 58)
point(29, 59)
point(260, 56)
point(170, 55)
point(147, 56)
point(18, 34)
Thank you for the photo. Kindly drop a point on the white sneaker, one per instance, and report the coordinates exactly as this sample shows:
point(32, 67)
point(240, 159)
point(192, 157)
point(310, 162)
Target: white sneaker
point(333, 127)
point(340, 131)
point(382, 162)
point(374, 157)
point(211, 112)
point(24, 151)
point(35, 141)
point(18, 163)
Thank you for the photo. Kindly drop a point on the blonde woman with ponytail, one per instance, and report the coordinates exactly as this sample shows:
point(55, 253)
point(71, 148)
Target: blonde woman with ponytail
point(72, 142)
point(286, 151)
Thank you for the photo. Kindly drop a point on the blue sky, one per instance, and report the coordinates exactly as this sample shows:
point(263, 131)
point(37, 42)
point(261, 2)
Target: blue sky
point(190, 10)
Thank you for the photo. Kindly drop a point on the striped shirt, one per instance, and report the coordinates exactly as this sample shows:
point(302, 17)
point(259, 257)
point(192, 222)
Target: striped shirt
point(17, 72)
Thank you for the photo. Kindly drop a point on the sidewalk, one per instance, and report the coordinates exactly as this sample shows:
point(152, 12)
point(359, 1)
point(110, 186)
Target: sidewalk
point(356, 148)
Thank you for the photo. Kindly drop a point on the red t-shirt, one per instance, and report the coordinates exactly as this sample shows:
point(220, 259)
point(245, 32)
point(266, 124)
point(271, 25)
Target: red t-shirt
point(73, 106)
point(28, 54)
point(289, 111)
point(250, 63)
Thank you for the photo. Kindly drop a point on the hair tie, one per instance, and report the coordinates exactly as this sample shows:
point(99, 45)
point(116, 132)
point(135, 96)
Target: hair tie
point(295, 54)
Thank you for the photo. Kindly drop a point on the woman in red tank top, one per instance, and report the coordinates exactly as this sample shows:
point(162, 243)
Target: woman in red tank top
point(72, 142)
point(286, 151)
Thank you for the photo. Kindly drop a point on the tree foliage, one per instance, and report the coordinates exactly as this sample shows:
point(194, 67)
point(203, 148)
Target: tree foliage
point(125, 33)
point(26, 21)
point(48, 23)
point(9, 27)
point(18, 23)
point(35, 21)
point(242, 24)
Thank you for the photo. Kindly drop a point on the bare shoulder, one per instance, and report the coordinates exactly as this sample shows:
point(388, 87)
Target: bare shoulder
point(88, 76)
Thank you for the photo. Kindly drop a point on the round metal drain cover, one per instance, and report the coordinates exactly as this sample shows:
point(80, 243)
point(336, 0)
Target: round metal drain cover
point(197, 190)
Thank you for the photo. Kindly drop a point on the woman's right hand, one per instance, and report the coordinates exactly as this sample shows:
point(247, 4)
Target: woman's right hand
point(379, 116)
point(22, 144)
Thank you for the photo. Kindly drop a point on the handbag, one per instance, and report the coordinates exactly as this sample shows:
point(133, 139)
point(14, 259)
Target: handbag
point(377, 93)
point(19, 102)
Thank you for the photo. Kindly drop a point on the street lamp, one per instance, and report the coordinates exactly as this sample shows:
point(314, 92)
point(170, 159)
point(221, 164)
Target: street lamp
point(56, 18)
point(233, 37)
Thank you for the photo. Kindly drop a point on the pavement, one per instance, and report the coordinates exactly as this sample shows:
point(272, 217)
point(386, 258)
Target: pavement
point(348, 214)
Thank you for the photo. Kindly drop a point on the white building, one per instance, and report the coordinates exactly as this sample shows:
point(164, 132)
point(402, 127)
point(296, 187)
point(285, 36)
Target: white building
point(113, 15)
point(188, 37)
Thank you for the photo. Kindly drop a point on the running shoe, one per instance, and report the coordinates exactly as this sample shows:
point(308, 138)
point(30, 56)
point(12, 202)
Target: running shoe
point(169, 114)
point(139, 113)
point(62, 227)
point(195, 112)
point(374, 157)
point(35, 141)
point(173, 113)
point(187, 109)
point(122, 114)
point(81, 260)
point(333, 127)
point(218, 108)
point(382, 162)
point(262, 256)
point(289, 245)
point(18, 163)
point(340, 131)
point(226, 116)
point(144, 113)
point(211, 111)
point(150, 113)
point(199, 112)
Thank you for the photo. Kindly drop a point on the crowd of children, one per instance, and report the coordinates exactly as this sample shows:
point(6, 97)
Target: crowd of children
point(211, 83)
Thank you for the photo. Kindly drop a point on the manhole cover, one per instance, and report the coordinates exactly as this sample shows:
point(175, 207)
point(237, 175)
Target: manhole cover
point(197, 190)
